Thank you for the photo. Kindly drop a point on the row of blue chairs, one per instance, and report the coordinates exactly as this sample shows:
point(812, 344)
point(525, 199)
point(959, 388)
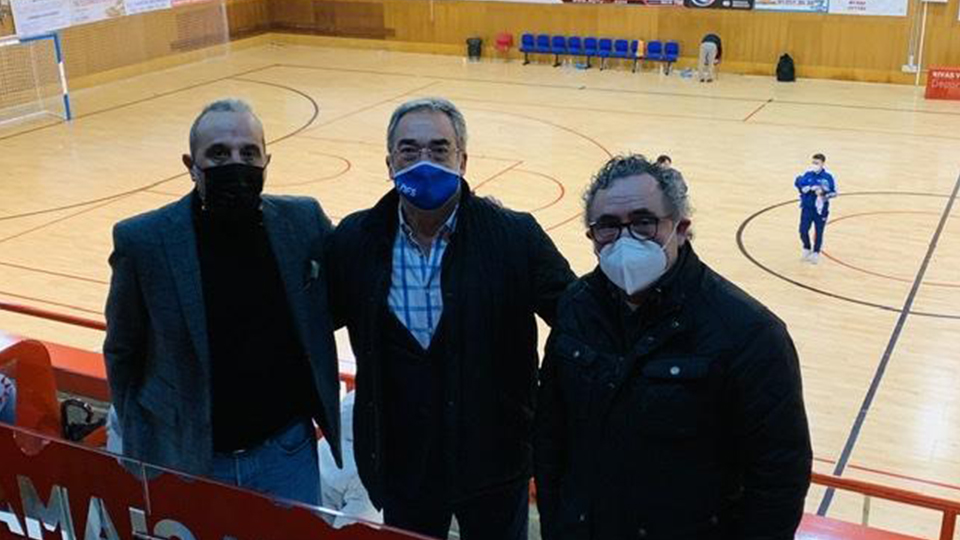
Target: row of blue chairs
point(602, 48)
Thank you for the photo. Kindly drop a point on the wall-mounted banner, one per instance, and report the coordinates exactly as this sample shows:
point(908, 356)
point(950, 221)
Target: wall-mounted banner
point(719, 4)
point(803, 6)
point(88, 11)
point(33, 17)
point(889, 8)
point(143, 6)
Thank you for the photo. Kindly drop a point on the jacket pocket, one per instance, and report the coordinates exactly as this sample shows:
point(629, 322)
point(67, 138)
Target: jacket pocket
point(577, 366)
point(675, 398)
point(159, 397)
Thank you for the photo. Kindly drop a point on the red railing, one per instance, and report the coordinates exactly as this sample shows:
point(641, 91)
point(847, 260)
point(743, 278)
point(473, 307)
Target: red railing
point(947, 508)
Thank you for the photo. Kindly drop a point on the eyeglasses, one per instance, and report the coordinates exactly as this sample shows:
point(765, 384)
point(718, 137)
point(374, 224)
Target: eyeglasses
point(408, 153)
point(639, 227)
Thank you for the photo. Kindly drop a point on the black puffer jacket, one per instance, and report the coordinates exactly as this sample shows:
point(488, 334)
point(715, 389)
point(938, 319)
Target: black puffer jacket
point(684, 419)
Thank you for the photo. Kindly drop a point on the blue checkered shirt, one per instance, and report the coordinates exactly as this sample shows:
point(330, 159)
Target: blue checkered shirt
point(415, 295)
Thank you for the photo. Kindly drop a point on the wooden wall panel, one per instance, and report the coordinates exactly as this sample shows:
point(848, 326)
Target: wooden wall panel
point(832, 46)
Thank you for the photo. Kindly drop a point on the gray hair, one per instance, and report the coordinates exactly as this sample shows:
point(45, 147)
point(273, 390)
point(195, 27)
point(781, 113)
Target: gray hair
point(222, 105)
point(429, 104)
point(671, 183)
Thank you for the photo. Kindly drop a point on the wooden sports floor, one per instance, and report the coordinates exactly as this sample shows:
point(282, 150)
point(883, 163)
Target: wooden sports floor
point(877, 323)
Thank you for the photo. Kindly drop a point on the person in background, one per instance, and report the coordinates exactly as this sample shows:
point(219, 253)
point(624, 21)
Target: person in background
point(341, 489)
point(670, 404)
point(216, 298)
point(664, 162)
point(817, 187)
point(8, 400)
point(711, 50)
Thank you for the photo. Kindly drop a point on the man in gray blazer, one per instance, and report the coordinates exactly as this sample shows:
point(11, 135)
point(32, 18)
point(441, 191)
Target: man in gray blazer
point(219, 346)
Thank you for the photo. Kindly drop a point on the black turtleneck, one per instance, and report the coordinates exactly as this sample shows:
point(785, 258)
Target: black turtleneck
point(261, 380)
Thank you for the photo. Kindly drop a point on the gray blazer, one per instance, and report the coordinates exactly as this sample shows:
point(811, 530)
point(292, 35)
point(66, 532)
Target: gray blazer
point(156, 349)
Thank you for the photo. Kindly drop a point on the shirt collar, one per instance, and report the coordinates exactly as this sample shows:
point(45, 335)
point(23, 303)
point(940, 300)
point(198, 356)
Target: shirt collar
point(448, 227)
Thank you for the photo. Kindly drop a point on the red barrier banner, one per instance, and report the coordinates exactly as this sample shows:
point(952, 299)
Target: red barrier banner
point(51, 489)
point(943, 83)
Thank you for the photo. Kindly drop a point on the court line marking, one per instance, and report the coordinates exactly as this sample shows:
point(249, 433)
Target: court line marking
point(746, 253)
point(502, 172)
point(125, 194)
point(372, 106)
point(891, 277)
point(136, 101)
point(888, 353)
point(614, 90)
point(891, 474)
point(758, 109)
point(53, 273)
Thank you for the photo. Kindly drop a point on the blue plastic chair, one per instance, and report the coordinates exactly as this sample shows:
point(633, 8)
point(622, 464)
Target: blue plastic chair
point(672, 52)
point(543, 44)
point(575, 46)
point(605, 51)
point(527, 45)
point(654, 51)
point(558, 46)
point(590, 49)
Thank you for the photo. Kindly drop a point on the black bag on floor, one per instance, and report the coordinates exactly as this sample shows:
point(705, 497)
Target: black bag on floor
point(785, 69)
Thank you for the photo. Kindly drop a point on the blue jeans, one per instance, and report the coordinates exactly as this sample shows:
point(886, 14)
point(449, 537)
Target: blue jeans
point(808, 217)
point(285, 466)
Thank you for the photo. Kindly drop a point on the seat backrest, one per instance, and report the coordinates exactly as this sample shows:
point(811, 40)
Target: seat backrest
point(574, 43)
point(606, 44)
point(28, 363)
point(527, 40)
point(559, 42)
point(673, 48)
point(543, 40)
point(505, 38)
point(621, 45)
point(635, 46)
point(590, 44)
point(655, 47)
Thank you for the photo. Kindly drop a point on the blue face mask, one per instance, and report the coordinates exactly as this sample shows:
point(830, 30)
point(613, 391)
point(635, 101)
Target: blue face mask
point(427, 185)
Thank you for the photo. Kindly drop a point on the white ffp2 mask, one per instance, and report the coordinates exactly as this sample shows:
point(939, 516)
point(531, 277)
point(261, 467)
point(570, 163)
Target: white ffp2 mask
point(633, 265)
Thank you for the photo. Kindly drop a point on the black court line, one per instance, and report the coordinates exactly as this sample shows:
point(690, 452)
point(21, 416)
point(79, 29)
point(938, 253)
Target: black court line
point(135, 102)
point(887, 354)
point(741, 244)
point(117, 196)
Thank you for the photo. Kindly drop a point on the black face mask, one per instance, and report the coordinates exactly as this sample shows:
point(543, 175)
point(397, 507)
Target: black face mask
point(232, 191)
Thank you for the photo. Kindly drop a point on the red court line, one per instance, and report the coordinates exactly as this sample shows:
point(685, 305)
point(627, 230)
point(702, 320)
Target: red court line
point(371, 106)
point(52, 273)
point(892, 474)
point(554, 124)
point(758, 109)
point(498, 175)
point(50, 302)
point(564, 222)
point(881, 274)
point(58, 220)
point(346, 169)
point(563, 191)
point(382, 145)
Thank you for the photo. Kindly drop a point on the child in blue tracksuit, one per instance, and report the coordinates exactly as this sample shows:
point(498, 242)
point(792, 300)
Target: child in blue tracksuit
point(816, 188)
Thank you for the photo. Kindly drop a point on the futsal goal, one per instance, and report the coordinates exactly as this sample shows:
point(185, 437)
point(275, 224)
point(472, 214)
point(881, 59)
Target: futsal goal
point(33, 82)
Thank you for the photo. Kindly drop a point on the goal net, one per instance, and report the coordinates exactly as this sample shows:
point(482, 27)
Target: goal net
point(32, 79)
